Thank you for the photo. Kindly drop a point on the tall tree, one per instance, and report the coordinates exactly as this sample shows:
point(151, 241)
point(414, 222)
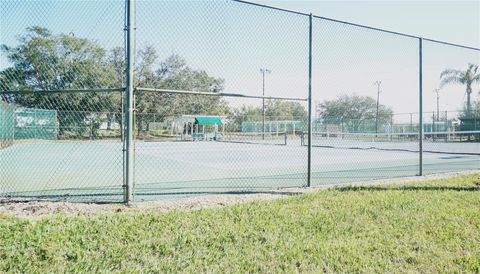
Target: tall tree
point(464, 77)
point(243, 114)
point(354, 111)
point(173, 73)
point(275, 110)
point(117, 61)
point(43, 62)
point(285, 110)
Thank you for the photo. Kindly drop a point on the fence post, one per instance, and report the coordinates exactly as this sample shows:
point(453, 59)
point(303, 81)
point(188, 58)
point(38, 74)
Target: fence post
point(309, 148)
point(91, 128)
point(129, 153)
point(434, 126)
point(420, 131)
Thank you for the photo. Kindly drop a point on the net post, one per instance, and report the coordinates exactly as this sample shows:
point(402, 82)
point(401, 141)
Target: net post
point(309, 147)
point(128, 146)
point(420, 93)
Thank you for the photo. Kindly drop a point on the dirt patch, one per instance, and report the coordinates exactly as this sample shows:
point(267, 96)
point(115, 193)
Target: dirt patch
point(40, 209)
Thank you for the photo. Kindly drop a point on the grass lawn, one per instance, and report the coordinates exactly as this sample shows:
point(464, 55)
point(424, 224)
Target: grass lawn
point(417, 227)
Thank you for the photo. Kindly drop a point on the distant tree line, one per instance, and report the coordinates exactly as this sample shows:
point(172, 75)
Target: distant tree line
point(358, 113)
point(43, 61)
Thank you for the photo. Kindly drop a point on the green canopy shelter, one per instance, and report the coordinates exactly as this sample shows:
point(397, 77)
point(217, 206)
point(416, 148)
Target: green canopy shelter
point(208, 121)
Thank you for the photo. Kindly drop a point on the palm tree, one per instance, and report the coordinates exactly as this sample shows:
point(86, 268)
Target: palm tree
point(467, 78)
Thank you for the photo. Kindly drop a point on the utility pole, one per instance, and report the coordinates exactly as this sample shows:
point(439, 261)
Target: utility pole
point(377, 83)
point(438, 103)
point(263, 71)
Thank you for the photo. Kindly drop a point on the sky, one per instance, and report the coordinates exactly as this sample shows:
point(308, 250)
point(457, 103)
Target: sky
point(233, 41)
point(453, 21)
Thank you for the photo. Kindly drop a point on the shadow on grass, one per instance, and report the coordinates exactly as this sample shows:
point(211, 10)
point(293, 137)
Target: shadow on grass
point(407, 188)
point(105, 197)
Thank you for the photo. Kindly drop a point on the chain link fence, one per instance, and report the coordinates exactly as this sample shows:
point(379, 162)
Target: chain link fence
point(115, 101)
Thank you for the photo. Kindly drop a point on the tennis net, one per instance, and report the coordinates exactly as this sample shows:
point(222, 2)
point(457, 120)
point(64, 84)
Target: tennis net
point(279, 138)
point(460, 142)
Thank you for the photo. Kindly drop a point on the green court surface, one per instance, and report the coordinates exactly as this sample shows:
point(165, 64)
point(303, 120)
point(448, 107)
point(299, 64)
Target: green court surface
point(92, 170)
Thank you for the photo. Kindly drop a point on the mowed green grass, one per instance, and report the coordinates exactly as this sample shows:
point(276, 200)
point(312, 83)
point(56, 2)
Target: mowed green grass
point(417, 227)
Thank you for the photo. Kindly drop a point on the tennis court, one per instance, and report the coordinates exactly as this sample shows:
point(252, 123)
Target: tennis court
point(167, 169)
point(157, 113)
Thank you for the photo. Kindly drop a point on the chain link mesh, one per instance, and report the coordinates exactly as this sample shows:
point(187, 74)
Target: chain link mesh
point(57, 59)
point(220, 101)
point(449, 125)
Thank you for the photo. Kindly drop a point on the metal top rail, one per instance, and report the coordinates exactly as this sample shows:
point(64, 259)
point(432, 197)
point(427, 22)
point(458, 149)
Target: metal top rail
point(361, 26)
point(270, 7)
point(217, 94)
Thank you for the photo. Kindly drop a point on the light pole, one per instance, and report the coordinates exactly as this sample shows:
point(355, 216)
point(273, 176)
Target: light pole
point(377, 83)
point(263, 71)
point(438, 103)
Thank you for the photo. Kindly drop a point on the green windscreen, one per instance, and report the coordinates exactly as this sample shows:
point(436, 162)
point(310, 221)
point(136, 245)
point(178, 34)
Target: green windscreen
point(36, 124)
